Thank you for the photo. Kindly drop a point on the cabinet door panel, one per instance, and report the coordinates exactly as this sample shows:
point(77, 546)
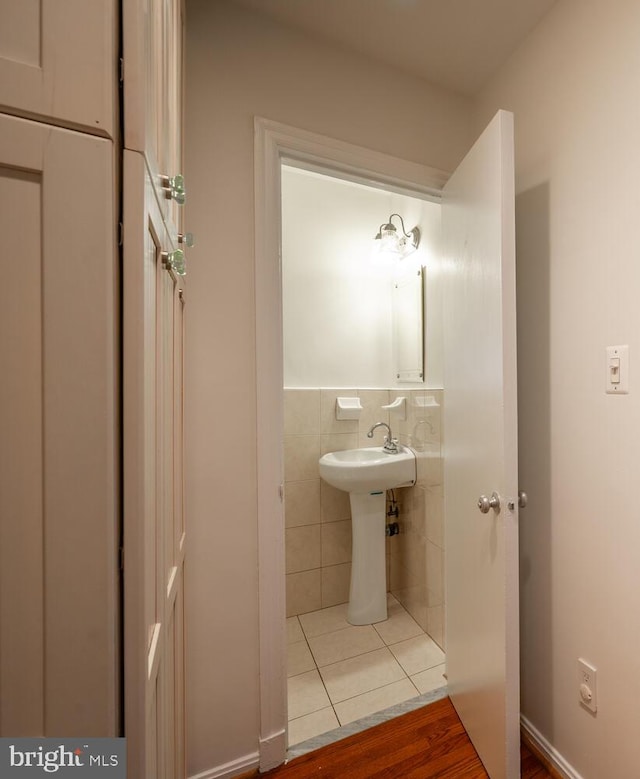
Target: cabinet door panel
point(58, 61)
point(153, 54)
point(21, 471)
point(58, 434)
point(153, 493)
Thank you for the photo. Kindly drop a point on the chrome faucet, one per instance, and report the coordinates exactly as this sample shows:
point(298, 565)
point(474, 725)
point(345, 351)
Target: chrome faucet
point(390, 443)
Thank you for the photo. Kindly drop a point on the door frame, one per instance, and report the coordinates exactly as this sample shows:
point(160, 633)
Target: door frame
point(275, 143)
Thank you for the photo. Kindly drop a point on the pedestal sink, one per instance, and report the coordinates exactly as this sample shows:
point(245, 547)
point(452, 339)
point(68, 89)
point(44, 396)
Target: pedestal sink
point(366, 474)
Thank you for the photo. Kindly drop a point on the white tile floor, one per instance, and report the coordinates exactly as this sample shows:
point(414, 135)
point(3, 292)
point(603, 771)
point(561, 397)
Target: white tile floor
point(339, 673)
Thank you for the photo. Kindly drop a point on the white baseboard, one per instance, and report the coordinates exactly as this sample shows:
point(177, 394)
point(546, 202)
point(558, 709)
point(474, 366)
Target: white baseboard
point(273, 750)
point(229, 770)
point(564, 768)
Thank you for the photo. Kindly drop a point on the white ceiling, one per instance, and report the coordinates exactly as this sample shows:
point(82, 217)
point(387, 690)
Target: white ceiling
point(457, 44)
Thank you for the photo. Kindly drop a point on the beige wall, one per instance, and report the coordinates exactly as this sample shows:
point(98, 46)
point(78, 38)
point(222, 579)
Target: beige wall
point(238, 66)
point(574, 88)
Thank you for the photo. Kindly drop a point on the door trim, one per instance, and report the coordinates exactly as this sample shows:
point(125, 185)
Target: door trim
point(273, 144)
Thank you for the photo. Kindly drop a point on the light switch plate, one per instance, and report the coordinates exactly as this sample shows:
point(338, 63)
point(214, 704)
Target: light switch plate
point(617, 368)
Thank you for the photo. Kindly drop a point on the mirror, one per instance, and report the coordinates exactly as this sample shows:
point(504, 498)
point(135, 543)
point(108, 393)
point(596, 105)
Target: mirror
point(408, 326)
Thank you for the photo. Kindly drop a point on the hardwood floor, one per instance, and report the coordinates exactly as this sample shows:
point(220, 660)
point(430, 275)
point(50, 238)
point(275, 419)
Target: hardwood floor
point(428, 742)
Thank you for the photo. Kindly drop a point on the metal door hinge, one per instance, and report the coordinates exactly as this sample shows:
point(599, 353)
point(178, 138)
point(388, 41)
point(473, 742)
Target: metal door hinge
point(120, 233)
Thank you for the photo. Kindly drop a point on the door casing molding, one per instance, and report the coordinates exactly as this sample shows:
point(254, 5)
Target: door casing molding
point(273, 144)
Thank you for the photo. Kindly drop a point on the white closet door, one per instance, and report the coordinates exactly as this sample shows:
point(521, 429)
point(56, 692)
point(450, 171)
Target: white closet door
point(58, 61)
point(481, 454)
point(58, 434)
point(154, 536)
point(153, 91)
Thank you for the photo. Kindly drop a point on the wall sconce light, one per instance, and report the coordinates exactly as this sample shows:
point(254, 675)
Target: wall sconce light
point(391, 241)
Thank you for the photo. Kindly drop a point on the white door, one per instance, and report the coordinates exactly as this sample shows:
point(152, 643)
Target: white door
point(58, 61)
point(153, 34)
point(154, 532)
point(154, 295)
point(481, 549)
point(59, 438)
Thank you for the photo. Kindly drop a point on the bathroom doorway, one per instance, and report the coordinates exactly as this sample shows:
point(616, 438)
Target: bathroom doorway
point(341, 309)
point(275, 143)
point(479, 341)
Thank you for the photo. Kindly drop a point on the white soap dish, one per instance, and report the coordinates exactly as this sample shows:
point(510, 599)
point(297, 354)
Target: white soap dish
point(348, 408)
point(398, 407)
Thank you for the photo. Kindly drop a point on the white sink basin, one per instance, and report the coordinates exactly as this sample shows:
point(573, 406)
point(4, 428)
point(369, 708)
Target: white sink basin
point(369, 469)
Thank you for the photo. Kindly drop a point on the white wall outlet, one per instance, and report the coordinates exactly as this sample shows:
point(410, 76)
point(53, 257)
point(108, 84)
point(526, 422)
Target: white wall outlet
point(617, 377)
point(587, 686)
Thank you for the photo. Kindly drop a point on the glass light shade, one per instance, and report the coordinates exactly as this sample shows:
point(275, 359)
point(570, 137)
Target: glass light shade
point(389, 239)
point(393, 245)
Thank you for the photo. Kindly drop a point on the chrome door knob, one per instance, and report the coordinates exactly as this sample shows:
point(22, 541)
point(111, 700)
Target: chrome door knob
point(484, 503)
point(522, 499)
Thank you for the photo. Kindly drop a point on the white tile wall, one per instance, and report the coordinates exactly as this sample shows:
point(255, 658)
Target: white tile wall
point(317, 516)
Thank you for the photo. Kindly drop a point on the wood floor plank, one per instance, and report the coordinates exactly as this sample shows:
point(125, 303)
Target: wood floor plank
point(429, 743)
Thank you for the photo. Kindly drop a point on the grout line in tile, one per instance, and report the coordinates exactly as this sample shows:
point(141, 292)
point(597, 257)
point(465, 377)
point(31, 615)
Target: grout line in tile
point(382, 686)
point(335, 713)
point(293, 719)
point(362, 654)
point(393, 643)
point(319, 674)
point(295, 676)
point(328, 631)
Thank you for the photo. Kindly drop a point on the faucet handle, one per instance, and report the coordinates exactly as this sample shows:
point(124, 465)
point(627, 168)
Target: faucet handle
point(391, 445)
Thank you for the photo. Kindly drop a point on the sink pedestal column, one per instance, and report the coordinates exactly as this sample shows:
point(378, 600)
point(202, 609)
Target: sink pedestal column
point(368, 593)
